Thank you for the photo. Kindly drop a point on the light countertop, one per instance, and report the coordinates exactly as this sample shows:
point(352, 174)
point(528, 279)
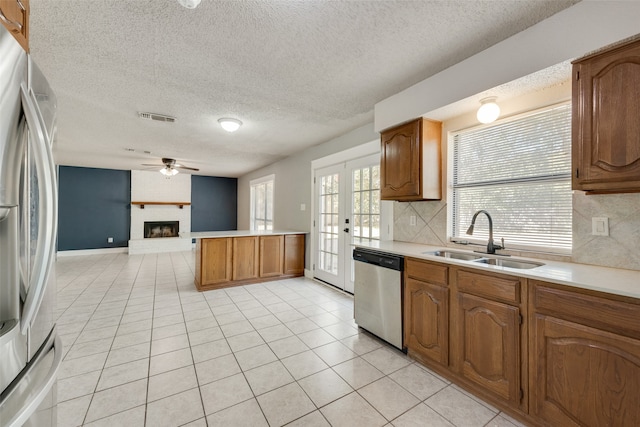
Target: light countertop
point(604, 279)
point(236, 233)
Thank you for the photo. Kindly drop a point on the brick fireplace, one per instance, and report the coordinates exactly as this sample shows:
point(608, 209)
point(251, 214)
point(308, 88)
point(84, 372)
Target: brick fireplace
point(156, 227)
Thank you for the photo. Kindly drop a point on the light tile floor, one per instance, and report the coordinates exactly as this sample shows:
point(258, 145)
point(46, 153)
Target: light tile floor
point(144, 348)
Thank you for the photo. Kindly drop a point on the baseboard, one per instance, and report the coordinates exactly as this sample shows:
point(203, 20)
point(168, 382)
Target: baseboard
point(99, 251)
point(308, 274)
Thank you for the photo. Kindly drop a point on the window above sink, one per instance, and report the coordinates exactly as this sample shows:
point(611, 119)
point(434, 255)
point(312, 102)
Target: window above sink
point(519, 169)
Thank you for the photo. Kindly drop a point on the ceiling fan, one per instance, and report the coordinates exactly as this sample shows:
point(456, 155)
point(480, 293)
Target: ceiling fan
point(171, 167)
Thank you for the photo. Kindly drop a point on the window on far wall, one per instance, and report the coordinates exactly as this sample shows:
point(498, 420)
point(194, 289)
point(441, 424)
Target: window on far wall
point(262, 203)
point(519, 170)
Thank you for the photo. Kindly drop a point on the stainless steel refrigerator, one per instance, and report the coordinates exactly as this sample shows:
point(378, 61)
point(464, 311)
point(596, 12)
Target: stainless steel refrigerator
point(30, 349)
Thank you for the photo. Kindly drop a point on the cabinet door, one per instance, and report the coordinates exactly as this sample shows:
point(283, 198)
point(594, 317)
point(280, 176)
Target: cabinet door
point(294, 254)
point(426, 320)
point(215, 261)
point(14, 15)
point(400, 162)
point(489, 345)
point(245, 258)
point(584, 376)
point(271, 255)
point(606, 129)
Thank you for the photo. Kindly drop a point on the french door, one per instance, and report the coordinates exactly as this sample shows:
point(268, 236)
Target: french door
point(348, 212)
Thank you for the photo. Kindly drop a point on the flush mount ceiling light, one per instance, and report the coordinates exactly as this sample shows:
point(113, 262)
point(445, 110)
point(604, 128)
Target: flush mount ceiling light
point(168, 171)
point(489, 110)
point(230, 125)
point(189, 4)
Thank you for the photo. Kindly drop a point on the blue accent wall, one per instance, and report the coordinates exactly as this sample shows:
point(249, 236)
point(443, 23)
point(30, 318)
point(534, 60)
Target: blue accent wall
point(214, 203)
point(93, 204)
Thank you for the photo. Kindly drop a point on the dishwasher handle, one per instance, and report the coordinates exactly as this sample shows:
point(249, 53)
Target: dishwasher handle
point(380, 259)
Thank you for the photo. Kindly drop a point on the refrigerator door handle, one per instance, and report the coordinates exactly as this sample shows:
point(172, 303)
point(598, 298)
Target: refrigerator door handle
point(4, 211)
point(45, 247)
point(21, 400)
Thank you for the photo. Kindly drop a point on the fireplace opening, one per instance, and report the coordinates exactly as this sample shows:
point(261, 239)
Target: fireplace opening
point(153, 229)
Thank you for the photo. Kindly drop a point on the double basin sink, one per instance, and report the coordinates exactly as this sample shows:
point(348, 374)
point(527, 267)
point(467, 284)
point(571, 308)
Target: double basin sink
point(486, 259)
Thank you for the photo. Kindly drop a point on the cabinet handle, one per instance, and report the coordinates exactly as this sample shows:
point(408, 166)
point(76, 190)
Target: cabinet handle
point(15, 26)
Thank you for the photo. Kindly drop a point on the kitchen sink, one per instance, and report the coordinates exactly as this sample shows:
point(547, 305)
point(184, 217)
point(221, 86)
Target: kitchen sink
point(484, 259)
point(509, 263)
point(455, 255)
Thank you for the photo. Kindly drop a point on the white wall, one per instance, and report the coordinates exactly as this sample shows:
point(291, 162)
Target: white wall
point(569, 34)
point(293, 183)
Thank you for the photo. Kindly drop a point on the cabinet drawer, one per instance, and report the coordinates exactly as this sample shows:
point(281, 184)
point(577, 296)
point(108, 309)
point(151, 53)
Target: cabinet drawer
point(591, 310)
point(494, 287)
point(426, 271)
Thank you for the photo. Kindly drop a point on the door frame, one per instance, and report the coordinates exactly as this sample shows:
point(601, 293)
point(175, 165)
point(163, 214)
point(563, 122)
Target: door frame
point(342, 157)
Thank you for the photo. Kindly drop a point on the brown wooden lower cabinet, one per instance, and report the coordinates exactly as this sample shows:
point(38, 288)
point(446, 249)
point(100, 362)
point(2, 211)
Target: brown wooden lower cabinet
point(488, 345)
point(245, 258)
point(488, 337)
point(232, 261)
point(271, 256)
point(294, 254)
point(548, 355)
point(585, 360)
point(426, 311)
point(214, 261)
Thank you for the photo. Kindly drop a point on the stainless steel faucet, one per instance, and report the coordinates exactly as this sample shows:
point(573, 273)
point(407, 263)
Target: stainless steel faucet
point(491, 247)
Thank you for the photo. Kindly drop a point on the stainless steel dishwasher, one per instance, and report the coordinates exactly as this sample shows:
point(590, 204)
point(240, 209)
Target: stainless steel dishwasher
point(378, 294)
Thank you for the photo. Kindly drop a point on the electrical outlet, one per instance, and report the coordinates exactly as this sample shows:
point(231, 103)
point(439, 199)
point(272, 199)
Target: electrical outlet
point(412, 220)
point(303, 207)
point(109, 239)
point(600, 226)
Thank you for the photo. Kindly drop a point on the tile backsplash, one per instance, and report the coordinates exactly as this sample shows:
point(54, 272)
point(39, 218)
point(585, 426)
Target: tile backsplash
point(620, 249)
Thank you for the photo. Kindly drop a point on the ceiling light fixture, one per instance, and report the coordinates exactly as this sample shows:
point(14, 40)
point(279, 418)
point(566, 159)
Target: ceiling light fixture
point(168, 171)
point(189, 4)
point(488, 111)
point(230, 125)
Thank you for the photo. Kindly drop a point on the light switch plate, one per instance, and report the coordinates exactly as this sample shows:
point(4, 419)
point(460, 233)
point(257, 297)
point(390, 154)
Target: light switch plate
point(303, 207)
point(600, 226)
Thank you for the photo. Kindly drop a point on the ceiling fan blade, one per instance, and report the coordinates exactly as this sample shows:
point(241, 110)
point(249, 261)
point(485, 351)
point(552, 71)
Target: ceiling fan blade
point(187, 168)
point(148, 164)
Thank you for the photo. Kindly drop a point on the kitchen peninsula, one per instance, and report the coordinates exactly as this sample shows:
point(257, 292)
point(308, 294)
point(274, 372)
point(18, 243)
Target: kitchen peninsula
point(240, 257)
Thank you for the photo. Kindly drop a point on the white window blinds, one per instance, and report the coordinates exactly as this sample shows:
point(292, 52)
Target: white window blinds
point(519, 170)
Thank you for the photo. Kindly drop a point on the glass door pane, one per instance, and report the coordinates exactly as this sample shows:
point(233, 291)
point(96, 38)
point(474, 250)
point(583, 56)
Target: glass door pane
point(348, 212)
point(329, 220)
point(328, 225)
point(364, 212)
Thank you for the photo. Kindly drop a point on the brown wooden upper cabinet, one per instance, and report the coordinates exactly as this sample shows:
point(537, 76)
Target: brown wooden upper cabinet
point(14, 15)
point(605, 127)
point(410, 161)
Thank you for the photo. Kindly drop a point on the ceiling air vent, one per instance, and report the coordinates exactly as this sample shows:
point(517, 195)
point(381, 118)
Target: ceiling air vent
point(157, 117)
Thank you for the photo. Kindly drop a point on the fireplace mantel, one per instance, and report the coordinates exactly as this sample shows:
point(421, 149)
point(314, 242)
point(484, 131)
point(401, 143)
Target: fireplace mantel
point(179, 204)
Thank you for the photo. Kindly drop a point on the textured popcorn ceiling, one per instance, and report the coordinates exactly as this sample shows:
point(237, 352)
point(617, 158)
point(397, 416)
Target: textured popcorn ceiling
point(297, 73)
